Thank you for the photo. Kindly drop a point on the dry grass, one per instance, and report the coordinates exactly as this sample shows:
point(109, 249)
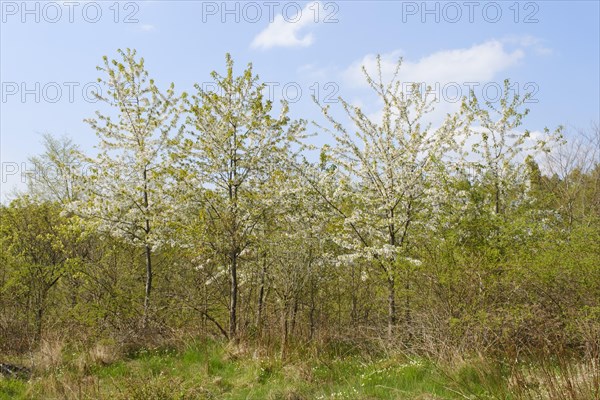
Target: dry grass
point(101, 354)
point(49, 355)
point(66, 386)
point(565, 380)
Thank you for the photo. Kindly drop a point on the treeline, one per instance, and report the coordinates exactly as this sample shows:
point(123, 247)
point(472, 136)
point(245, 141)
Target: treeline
point(203, 215)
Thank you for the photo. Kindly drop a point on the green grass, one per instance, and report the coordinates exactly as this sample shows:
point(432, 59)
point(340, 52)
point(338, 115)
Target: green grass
point(11, 388)
point(210, 371)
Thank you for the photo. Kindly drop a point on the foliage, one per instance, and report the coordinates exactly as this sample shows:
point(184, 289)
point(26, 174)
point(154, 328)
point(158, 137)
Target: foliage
point(458, 260)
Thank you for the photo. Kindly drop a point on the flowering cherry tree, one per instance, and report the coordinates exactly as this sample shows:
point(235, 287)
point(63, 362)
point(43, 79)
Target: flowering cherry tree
point(126, 188)
point(384, 178)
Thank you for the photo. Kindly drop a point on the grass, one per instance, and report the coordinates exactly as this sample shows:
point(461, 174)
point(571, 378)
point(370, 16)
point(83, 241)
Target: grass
point(211, 370)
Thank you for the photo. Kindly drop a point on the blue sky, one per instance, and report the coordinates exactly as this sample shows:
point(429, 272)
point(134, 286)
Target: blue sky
point(49, 51)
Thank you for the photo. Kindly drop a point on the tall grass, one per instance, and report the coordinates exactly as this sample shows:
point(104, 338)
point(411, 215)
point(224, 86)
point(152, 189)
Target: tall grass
point(214, 370)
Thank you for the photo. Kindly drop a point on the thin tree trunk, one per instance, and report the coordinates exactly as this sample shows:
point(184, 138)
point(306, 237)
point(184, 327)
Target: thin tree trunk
point(497, 199)
point(233, 298)
point(391, 307)
point(39, 314)
point(407, 311)
point(148, 251)
point(233, 199)
point(261, 296)
point(353, 311)
point(148, 284)
point(284, 330)
point(294, 314)
point(312, 310)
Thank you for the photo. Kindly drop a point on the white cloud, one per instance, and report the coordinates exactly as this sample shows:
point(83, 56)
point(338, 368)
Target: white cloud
point(479, 63)
point(450, 73)
point(532, 42)
point(285, 32)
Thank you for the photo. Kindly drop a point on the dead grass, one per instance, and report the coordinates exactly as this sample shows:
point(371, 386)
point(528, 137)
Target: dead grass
point(565, 380)
point(49, 356)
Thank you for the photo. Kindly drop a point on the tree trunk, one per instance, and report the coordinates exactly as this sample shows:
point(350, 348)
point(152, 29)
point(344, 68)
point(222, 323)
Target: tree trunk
point(294, 314)
point(284, 330)
point(233, 201)
point(407, 311)
point(148, 251)
point(233, 298)
point(39, 318)
point(261, 296)
point(391, 307)
point(353, 311)
point(312, 310)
